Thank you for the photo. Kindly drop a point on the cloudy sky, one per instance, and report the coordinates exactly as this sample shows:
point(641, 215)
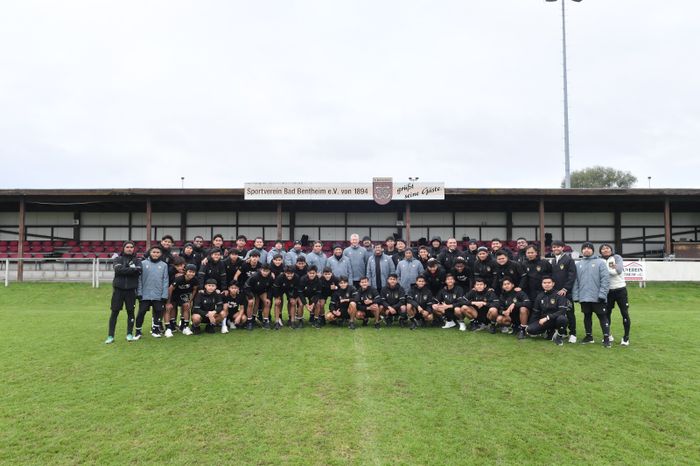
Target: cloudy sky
point(120, 94)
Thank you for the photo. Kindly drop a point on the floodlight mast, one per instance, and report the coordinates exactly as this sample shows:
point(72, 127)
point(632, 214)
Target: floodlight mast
point(567, 166)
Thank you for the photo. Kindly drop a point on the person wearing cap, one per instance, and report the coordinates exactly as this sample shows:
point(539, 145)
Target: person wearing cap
point(339, 263)
point(505, 267)
point(449, 255)
point(127, 269)
point(257, 290)
point(209, 309)
point(248, 268)
point(408, 270)
point(564, 276)
point(277, 249)
point(293, 254)
point(392, 301)
point(258, 246)
point(618, 290)
point(379, 266)
point(180, 294)
point(213, 268)
point(484, 266)
point(435, 246)
point(152, 291)
point(535, 268)
point(358, 257)
point(591, 292)
point(286, 284)
point(549, 313)
point(316, 256)
point(434, 276)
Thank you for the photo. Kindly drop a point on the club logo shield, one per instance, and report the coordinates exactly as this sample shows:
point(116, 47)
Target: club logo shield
point(382, 190)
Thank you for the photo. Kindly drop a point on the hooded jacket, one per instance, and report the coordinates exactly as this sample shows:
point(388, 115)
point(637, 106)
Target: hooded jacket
point(340, 267)
point(126, 272)
point(592, 280)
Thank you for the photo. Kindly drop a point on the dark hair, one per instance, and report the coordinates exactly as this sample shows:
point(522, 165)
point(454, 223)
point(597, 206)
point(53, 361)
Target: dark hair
point(343, 279)
point(259, 238)
point(393, 275)
point(288, 269)
point(501, 252)
point(496, 239)
point(218, 235)
point(533, 246)
point(198, 236)
point(318, 242)
point(265, 267)
point(211, 281)
point(507, 279)
point(327, 269)
point(364, 278)
point(243, 237)
point(254, 253)
point(479, 280)
point(390, 238)
point(167, 237)
point(177, 260)
point(313, 268)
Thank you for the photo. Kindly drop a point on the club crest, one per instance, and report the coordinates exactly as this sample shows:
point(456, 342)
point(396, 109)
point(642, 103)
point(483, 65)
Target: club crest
point(382, 190)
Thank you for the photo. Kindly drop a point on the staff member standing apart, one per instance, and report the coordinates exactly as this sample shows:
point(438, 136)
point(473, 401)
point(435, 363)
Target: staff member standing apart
point(618, 290)
point(591, 291)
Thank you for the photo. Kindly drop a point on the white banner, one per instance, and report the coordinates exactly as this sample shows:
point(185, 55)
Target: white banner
point(340, 191)
point(635, 271)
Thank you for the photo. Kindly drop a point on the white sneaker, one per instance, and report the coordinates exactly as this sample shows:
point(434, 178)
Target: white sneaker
point(231, 325)
point(224, 328)
point(625, 342)
point(168, 333)
point(187, 331)
point(572, 338)
point(462, 327)
point(449, 324)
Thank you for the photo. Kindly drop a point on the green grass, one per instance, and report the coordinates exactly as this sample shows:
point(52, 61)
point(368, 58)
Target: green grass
point(333, 396)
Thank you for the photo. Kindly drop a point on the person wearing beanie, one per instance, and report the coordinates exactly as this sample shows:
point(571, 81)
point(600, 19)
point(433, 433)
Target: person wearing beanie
point(152, 291)
point(367, 243)
point(564, 276)
point(180, 294)
point(339, 263)
point(618, 290)
point(591, 291)
point(127, 269)
point(435, 246)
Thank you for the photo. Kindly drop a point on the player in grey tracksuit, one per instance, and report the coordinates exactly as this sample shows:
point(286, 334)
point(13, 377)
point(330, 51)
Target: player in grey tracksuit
point(591, 291)
point(152, 291)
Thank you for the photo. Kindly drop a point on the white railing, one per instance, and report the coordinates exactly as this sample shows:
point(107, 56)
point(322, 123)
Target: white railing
point(93, 270)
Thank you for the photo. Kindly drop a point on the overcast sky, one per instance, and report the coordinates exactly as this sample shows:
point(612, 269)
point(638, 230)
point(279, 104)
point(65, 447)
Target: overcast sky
point(121, 94)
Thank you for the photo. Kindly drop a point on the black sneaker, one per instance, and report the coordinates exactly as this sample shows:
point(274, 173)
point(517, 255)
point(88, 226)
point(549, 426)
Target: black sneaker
point(365, 322)
point(521, 334)
point(587, 340)
point(300, 323)
point(317, 324)
point(558, 340)
point(196, 330)
point(249, 325)
point(209, 328)
point(606, 343)
point(402, 323)
point(278, 325)
point(389, 321)
point(377, 325)
point(473, 325)
point(492, 329)
point(322, 320)
point(351, 326)
point(414, 325)
point(266, 324)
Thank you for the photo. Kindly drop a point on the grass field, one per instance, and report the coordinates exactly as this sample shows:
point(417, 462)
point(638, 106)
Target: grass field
point(333, 396)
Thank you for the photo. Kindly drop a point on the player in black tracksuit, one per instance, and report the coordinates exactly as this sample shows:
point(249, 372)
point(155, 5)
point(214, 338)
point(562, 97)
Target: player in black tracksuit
point(514, 307)
point(127, 269)
point(309, 296)
point(367, 302)
point(235, 304)
point(208, 308)
point(464, 278)
point(286, 284)
point(449, 255)
point(564, 276)
point(248, 269)
point(505, 267)
point(480, 303)
point(419, 303)
point(213, 269)
point(232, 264)
point(392, 299)
point(277, 265)
point(549, 312)
point(536, 269)
point(434, 276)
point(448, 303)
point(484, 266)
point(329, 283)
point(343, 304)
point(180, 294)
point(257, 290)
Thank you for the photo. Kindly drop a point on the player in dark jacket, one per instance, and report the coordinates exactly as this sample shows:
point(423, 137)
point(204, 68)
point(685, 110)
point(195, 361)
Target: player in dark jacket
point(235, 304)
point(436, 246)
point(484, 266)
point(536, 269)
point(514, 308)
point(564, 276)
point(309, 296)
point(434, 276)
point(549, 312)
point(257, 291)
point(367, 302)
point(505, 267)
point(232, 264)
point(248, 269)
point(286, 284)
point(213, 269)
point(449, 255)
point(343, 304)
point(464, 277)
point(209, 308)
point(392, 300)
point(180, 295)
point(127, 269)
point(329, 283)
point(479, 303)
point(448, 303)
point(419, 303)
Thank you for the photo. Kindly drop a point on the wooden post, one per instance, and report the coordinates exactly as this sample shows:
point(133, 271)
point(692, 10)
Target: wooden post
point(21, 236)
point(509, 225)
point(183, 227)
point(667, 227)
point(618, 232)
point(279, 221)
point(407, 224)
point(149, 215)
point(542, 248)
